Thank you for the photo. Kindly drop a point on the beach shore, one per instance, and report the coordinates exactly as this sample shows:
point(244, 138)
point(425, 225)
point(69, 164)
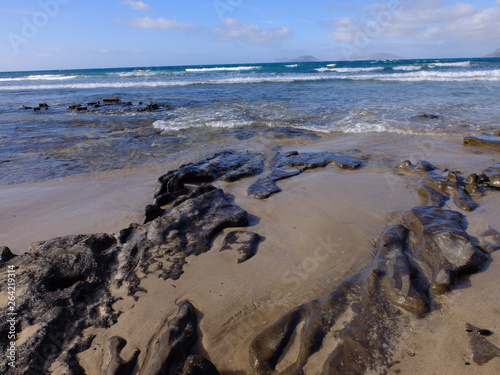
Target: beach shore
point(319, 231)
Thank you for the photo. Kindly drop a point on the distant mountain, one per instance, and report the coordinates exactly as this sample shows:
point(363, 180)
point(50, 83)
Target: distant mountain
point(494, 54)
point(305, 59)
point(377, 56)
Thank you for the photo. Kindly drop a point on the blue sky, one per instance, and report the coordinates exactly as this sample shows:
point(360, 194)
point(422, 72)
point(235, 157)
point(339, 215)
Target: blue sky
point(64, 34)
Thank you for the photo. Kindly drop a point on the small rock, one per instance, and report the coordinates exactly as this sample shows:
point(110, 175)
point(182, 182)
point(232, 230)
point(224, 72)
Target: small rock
point(245, 243)
point(111, 100)
point(485, 140)
point(199, 365)
point(152, 212)
point(5, 254)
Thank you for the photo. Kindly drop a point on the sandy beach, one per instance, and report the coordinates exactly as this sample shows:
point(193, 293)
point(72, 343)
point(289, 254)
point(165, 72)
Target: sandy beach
point(317, 233)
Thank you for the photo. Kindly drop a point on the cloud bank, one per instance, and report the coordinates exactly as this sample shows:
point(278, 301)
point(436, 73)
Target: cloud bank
point(139, 6)
point(159, 23)
point(251, 33)
point(436, 21)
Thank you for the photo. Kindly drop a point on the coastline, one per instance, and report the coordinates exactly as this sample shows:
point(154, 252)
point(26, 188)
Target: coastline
point(319, 231)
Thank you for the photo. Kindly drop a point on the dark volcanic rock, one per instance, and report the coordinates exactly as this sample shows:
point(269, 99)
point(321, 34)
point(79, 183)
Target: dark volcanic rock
point(64, 291)
point(5, 254)
point(169, 352)
point(188, 228)
point(427, 116)
point(252, 169)
point(456, 190)
point(117, 365)
point(263, 188)
point(483, 350)
point(111, 100)
point(245, 243)
point(227, 165)
point(485, 140)
point(412, 263)
point(198, 365)
point(493, 175)
point(407, 168)
point(370, 311)
point(441, 247)
point(286, 165)
point(152, 212)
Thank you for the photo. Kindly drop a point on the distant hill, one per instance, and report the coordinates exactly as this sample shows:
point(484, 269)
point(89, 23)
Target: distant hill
point(377, 56)
point(305, 59)
point(494, 54)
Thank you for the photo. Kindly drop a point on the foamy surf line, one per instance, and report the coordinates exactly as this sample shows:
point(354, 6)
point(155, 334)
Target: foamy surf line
point(47, 77)
point(167, 126)
point(223, 69)
point(419, 76)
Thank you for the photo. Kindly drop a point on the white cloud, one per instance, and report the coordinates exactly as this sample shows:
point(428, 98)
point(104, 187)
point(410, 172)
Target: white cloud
point(235, 29)
point(159, 23)
point(139, 6)
point(424, 20)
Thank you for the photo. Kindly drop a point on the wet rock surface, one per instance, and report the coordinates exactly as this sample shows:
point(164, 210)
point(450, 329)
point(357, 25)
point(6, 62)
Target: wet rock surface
point(67, 282)
point(485, 140)
point(407, 168)
point(413, 262)
point(245, 243)
point(167, 354)
point(64, 282)
point(290, 164)
point(104, 104)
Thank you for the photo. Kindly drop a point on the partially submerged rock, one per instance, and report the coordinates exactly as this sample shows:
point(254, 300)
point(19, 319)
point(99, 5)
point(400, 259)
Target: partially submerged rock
point(485, 140)
point(111, 100)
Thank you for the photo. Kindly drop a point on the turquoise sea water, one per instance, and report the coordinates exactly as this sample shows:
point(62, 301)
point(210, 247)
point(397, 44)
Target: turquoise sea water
point(238, 101)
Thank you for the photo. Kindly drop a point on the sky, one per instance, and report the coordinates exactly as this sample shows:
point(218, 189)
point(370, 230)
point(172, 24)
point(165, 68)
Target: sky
point(75, 34)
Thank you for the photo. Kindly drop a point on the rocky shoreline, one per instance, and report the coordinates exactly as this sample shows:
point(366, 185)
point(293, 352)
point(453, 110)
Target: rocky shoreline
point(69, 284)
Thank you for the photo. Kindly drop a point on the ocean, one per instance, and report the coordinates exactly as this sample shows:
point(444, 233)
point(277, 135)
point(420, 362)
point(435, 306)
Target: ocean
point(209, 107)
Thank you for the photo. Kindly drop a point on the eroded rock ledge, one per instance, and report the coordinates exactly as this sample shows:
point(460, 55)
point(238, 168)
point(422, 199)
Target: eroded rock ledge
point(64, 285)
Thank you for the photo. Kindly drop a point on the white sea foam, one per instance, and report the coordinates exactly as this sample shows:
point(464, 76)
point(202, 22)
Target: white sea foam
point(42, 77)
point(350, 70)
point(223, 69)
point(407, 67)
point(175, 125)
point(415, 76)
point(137, 73)
point(292, 66)
point(433, 76)
point(331, 65)
point(460, 64)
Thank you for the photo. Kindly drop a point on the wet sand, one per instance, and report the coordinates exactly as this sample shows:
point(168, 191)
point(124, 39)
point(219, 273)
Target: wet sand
point(318, 231)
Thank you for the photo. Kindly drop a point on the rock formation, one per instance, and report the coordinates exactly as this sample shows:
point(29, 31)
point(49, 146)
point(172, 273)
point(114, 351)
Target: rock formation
point(65, 284)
